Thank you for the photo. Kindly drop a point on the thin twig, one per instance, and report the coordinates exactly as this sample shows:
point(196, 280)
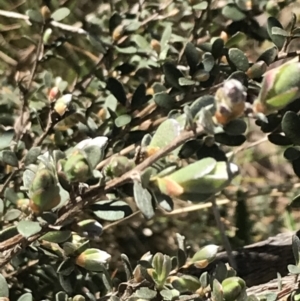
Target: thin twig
point(221, 228)
point(26, 91)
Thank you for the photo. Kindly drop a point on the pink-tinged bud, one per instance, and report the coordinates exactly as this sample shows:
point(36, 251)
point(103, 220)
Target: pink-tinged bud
point(280, 87)
point(53, 94)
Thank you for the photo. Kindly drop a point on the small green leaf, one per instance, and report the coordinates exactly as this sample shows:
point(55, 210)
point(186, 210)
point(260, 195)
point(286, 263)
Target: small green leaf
point(257, 70)
point(295, 270)
point(1, 207)
point(296, 248)
point(230, 140)
point(89, 228)
point(204, 279)
point(291, 153)
point(235, 39)
point(172, 75)
point(145, 293)
point(217, 292)
point(66, 267)
point(32, 155)
point(290, 126)
point(35, 16)
point(217, 48)
point(183, 81)
point(165, 134)
point(201, 102)
point(6, 138)
point(60, 14)
point(140, 41)
point(201, 6)
point(57, 236)
point(11, 195)
point(186, 283)
point(279, 139)
point(169, 294)
point(26, 297)
point(164, 100)
point(166, 36)
point(143, 200)
point(8, 233)
point(4, 291)
point(279, 31)
point(235, 127)
point(116, 88)
point(230, 11)
point(192, 56)
point(28, 228)
point(295, 204)
point(114, 21)
point(96, 43)
point(239, 59)
point(278, 40)
point(126, 50)
point(12, 214)
point(122, 120)
point(208, 61)
point(9, 157)
point(66, 283)
point(139, 97)
point(110, 210)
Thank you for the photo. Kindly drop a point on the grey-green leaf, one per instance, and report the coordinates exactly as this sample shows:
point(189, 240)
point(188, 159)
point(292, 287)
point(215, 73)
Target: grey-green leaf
point(32, 155)
point(164, 100)
point(290, 126)
point(57, 236)
point(60, 14)
point(111, 210)
point(278, 40)
point(122, 120)
point(6, 138)
point(35, 15)
point(239, 59)
point(9, 157)
point(230, 11)
point(269, 55)
point(28, 228)
point(172, 75)
point(4, 292)
point(143, 200)
point(12, 214)
point(26, 297)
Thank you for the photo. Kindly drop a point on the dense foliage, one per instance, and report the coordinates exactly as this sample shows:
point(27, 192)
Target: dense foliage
point(105, 103)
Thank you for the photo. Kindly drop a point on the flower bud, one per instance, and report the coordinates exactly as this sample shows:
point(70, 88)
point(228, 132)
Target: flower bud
point(233, 287)
point(62, 104)
point(44, 191)
point(257, 69)
point(155, 45)
point(76, 168)
point(279, 88)
point(92, 259)
point(230, 101)
point(206, 176)
point(53, 94)
point(118, 33)
point(118, 165)
point(46, 13)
